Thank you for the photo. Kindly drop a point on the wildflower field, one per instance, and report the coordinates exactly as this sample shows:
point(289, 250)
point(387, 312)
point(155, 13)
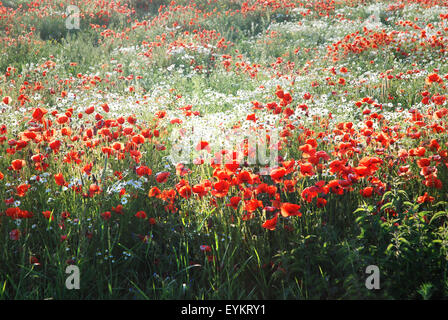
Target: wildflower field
point(224, 149)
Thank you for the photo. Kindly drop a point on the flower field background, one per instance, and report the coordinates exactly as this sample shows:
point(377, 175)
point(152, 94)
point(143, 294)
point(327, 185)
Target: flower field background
point(90, 120)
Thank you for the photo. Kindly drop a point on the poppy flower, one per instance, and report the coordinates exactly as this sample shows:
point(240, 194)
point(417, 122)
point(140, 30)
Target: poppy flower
point(143, 170)
point(59, 179)
point(290, 209)
point(306, 169)
point(138, 139)
point(432, 181)
point(321, 202)
point(118, 209)
point(289, 165)
point(22, 189)
point(89, 110)
point(105, 107)
point(425, 198)
point(106, 215)
point(271, 223)
point(203, 145)
point(205, 248)
point(94, 189)
point(234, 201)
point(162, 177)
point(39, 113)
point(18, 164)
point(185, 192)
point(245, 177)
point(141, 214)
point(181, 170)
point(423, 162)
point(220, 189)
point(13, 213)
point(252, 205)
point(34, 261)
point(65, 215)
point(200, 190)
point(278, 174)
point(14, 234)
point(251, 117)
point(433, 78)
point(176, 121)
point(7, 100)
point(55, 145)
point(366, 192)
point(62, 119)
point(154, 191)
point(289, 186)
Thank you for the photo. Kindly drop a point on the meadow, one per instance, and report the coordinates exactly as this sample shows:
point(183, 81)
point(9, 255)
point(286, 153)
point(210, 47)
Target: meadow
point(130, 148)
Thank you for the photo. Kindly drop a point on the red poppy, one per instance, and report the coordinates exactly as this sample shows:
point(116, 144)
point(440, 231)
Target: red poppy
point(181, 170)
point(154, 191)
point(141, 214)
point(118, 209)
point(306, 169)
point(425, 198)
point(162, 177)
point(251, 117)
point(185, 191)
point(203, 145)
point(290, 209)
point(271, 223)
point(278, 174)
point(321, 202)
point(59, 179)
point(39, 113)
point(200, 190)
point(22, 189)
point(252, 205)
point(423, 162)
point(106, 215)
point(7, 100)
point(433, 77)
point(220, 189)
point(18, 164)
point(55, 145)
point(14, 234)
point(89, 110)
point(205, 248)
point(94, 189)
point(245, 177)
point(366, 192)
point(105, 107)
point(234, 201)
point(138, 139)
point(143, 170)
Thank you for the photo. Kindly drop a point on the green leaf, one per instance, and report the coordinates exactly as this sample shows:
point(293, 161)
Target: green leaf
point(440, 203)
point(438, 215)
point(385, 195)
point(389, 247)
point(403, 240)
